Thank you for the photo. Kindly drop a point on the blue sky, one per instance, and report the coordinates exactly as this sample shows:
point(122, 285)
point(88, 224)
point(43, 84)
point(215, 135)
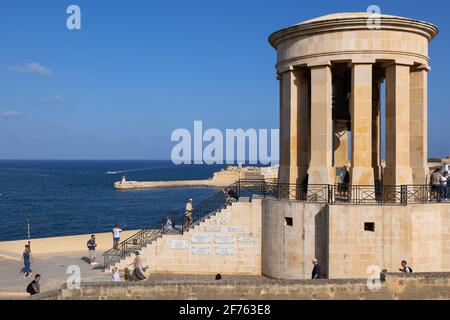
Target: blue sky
point(139, 69)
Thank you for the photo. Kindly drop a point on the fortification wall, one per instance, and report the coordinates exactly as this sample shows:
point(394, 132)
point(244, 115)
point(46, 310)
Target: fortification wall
point(395, 287)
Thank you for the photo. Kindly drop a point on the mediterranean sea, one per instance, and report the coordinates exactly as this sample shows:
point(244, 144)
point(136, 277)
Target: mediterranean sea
point(76, 197)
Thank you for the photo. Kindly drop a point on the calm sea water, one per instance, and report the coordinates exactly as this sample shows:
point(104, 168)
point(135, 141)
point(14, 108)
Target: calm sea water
point(74, 197)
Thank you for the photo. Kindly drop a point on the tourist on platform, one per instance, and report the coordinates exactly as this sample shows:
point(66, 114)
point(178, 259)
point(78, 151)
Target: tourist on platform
point(138, 273)
point(116, 236)
point(316, 269)
point(344, 180)
point(91, 246)
point(405, 267)
point(444, 191)
point(435, 181)
point(115, 275)
point(168, 226)
point(34, 286)
point(188, 214)
point(26, 261)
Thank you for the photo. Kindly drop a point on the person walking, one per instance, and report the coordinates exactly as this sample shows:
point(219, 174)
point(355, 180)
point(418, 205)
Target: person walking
point(138, 272)
point(26, 262)
point(91, 246)
point(116, 236)
point(34, 287)
point(435, 181)
point(188, 214)
point(316, 269)
point(405, 268)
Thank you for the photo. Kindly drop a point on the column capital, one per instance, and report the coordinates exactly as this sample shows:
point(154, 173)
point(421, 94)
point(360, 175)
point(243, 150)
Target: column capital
point(318, 64)
point(361, 61)
point(398, 62)
point(421, 67)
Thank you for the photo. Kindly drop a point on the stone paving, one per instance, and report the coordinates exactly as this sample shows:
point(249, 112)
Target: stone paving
point(53, 269)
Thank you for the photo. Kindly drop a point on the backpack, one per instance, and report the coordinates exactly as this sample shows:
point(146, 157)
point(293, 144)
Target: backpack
point(30, 288)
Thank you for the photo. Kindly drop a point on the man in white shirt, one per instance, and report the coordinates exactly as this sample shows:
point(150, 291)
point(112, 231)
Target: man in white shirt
point(116, 236)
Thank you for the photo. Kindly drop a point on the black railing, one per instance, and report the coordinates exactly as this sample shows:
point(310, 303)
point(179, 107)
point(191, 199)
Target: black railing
point(378, 194)
point(314, 193)
point(180, 224)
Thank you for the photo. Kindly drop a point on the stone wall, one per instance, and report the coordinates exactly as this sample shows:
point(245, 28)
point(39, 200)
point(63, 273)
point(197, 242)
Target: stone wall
point(395, 287)
point(288, 250)
point(336, 235)
point(228, 242)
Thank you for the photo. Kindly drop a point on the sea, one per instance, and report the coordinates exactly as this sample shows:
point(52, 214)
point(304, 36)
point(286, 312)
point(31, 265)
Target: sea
point(61, 198)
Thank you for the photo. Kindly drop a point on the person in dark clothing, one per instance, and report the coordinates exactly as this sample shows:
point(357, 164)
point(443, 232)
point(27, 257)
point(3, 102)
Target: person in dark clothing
point(34, 287)
point(405, 267)
point(231, 196)
point(316, 269)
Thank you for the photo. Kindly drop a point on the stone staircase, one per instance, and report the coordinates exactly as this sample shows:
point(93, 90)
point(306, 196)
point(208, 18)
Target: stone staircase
point(226, 241)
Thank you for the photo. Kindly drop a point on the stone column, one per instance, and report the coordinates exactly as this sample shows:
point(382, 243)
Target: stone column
point(321, 167)
point(418, 125)
point(398, 168)
point(361, 172)
point(288, 171)
point(294, 127)
point(376, 127)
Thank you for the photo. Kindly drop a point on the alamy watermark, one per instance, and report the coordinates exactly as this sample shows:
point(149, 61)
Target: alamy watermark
point(374, 21)
point(212, 146)
point(73, 22)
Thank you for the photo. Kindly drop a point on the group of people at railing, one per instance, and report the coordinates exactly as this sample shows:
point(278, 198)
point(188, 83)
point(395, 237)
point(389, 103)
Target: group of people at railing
point(439, 184)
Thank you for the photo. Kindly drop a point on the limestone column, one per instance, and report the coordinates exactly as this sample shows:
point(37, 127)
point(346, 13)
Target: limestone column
point(321, 167)
point(294, 126)
point(288, 171)
point(361, 172)
point(398, 168)
point(376, 127)
point(418, 125)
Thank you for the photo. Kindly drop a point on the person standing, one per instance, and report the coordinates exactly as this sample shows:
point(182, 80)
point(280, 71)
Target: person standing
point(316, 269)
point(344, 179)
point(91, 246)
point(435, 182)
point(405, 267)
point(116, 236)
point(188, 213)
point(26, 261)
point(443, 180)
point(34, 287)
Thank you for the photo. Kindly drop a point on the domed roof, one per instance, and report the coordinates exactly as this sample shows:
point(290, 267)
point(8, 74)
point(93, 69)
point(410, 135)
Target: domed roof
point(348, 15)
point(352, 21)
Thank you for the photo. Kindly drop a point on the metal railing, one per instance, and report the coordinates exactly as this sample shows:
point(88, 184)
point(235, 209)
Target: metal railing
point(204, 209)
point(378, 194)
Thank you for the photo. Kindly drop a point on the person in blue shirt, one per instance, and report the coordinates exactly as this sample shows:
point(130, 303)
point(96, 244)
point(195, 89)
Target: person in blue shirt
point(91, 246)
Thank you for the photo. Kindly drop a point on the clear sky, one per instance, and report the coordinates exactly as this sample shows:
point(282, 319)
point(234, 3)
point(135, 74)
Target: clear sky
point(139, 69)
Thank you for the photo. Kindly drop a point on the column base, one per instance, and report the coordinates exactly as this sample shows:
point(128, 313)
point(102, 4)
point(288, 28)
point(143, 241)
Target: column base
point(321, 175)
point(420, 175)
point(396, 176)
point(362, 176)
